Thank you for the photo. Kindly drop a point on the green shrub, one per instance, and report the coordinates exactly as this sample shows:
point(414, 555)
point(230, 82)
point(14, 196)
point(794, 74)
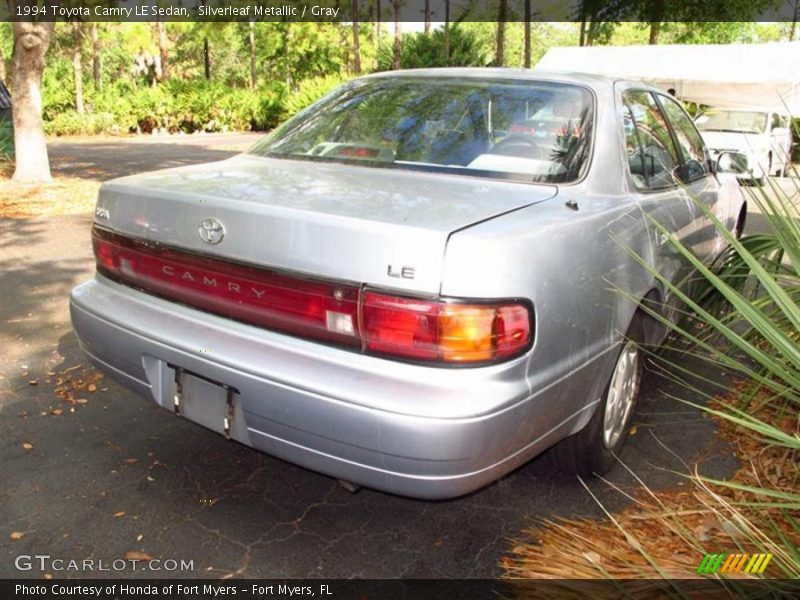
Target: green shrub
point(749, 325)
point(71, 123)
point(311, 90)
point(421, 50)
point(173, 105)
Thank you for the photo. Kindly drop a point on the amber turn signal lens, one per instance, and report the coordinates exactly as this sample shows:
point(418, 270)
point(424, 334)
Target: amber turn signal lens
point(466, 333)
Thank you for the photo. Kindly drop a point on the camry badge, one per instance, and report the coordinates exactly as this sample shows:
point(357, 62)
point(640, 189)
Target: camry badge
point(211, 231)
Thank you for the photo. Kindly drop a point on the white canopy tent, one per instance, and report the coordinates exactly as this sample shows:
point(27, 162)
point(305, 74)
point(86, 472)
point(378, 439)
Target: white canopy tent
point(727, 76)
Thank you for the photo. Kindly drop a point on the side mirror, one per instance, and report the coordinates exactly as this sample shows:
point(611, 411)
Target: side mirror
point(732, 162)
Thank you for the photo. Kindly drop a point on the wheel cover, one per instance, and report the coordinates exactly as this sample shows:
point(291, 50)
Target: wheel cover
point(622, 393)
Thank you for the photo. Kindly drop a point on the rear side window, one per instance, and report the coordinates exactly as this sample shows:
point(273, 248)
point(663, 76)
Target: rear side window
point(652, 157)
point(690, 143)
point(779, 121)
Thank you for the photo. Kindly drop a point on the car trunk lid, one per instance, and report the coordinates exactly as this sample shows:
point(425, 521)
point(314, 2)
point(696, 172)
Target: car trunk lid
point(382, 227)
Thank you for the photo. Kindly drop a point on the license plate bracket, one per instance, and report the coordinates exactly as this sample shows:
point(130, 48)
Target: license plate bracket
point(207, 402)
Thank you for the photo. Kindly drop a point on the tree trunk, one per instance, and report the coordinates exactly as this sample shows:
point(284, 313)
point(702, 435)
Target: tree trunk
point(427, 16)
point(527, 34)
point(77, 67)
point(163, 48)
point(501, 34)
point(398, 36)
point(582, 41)
point(591, 31)
point(656, 16)
point(97, 65)
point(378, 32)
point(31, 41)
point(378, 23)
point(252, 37)
point(206, 59)
point(356, 46)
point(447, 32)
point(2, 64)
point(795, 16)
point(655, 29)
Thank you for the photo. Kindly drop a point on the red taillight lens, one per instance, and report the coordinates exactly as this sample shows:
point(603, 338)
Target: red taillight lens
point(434, 331)
point(305, 307)
point(441, 331)
point(401, 326)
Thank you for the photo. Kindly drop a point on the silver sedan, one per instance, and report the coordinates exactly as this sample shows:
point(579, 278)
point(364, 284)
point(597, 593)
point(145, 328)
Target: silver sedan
point(417, 284)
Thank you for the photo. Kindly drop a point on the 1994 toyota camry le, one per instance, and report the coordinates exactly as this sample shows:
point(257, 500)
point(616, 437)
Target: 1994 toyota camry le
point(417, 284)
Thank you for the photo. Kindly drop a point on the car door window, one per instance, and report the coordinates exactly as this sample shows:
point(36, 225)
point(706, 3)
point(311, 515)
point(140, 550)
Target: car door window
point(632, 149)
point(654, 152)
point(690, 143)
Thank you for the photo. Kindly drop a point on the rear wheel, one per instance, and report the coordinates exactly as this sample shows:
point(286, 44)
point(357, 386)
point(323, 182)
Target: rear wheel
point(594, 449)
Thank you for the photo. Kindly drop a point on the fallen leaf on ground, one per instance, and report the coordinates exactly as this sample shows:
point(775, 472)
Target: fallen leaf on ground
point(57, 412)
point(136, 555)
point(701, 533)
point(131, 461)
point(17, 535)
point(82, 401)
point(27, 446)
point(119, 514)
point(32, 382)
point(92, 387)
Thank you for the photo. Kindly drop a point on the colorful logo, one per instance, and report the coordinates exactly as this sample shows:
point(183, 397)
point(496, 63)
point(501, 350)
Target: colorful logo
point(734, 563)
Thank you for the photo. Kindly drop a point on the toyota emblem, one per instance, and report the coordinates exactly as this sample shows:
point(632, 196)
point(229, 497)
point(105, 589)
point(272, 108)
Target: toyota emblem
point(211, 231)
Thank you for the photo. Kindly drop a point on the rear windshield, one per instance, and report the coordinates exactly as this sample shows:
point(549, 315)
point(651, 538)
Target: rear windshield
point(526, 130)
point(735, 121)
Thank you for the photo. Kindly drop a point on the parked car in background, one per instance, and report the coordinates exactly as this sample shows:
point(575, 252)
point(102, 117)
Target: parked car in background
point(417, 284)
point(6, 124)
point(764, 137)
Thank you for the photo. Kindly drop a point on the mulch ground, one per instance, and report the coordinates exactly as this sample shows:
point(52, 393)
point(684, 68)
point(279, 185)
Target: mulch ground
point(667, 533)
point(64, 196)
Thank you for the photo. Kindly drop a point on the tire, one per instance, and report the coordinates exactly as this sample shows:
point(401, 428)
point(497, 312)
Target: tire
point(595, 448)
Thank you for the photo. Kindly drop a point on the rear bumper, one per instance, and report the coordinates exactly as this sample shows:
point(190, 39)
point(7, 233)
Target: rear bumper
point(411, 430)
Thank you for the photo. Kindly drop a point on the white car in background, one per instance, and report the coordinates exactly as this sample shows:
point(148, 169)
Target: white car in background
point(764, 137)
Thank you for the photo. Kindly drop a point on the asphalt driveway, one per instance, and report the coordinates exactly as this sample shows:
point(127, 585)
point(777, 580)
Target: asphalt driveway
point(108, 473)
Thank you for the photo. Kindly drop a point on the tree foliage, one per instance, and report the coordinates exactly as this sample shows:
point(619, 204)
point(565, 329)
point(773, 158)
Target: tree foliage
point(119, 61)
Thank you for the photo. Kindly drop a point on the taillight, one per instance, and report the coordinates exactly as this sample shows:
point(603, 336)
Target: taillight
point(445, 331)
point(432, 331)
point(304, 307)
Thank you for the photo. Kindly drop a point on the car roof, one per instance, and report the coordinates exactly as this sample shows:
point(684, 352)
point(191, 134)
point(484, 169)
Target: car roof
point(587, 79)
